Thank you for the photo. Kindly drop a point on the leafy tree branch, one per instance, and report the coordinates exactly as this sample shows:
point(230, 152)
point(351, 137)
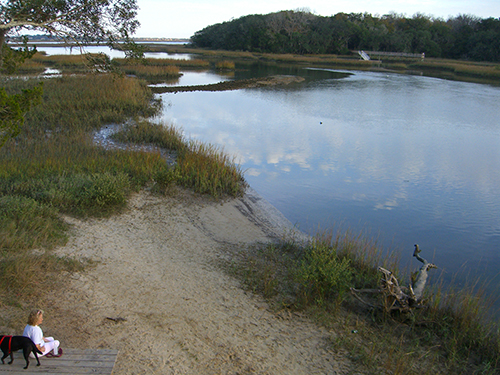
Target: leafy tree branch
point(77, 21)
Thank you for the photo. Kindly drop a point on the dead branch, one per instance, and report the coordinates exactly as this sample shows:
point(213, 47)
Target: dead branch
point(396, 297)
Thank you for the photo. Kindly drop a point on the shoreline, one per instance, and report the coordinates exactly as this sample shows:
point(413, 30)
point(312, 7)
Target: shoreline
point(173, 309)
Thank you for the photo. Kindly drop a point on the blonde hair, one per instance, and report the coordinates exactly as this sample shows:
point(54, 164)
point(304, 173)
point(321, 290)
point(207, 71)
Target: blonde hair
point(33, 317)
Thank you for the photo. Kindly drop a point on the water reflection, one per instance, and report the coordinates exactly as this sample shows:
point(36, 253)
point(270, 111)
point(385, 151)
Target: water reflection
point(410, 159)
point(112, 53)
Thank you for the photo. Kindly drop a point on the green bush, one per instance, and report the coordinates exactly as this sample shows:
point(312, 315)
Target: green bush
point(100, 191)
point(323, 275)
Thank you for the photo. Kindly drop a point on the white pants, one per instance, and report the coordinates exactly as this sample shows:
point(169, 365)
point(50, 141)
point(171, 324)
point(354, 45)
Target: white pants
point(49, 345)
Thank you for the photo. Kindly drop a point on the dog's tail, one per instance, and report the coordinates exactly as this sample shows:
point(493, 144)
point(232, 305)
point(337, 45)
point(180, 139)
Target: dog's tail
point(37, 350)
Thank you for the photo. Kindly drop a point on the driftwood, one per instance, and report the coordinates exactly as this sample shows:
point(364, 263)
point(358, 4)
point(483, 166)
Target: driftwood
point(396, 297)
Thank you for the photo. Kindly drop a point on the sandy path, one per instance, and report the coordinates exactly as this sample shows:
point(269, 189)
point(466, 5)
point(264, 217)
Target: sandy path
point(182, 315)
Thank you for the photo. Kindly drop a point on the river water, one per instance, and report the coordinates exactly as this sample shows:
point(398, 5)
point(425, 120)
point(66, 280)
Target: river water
point(403, 159)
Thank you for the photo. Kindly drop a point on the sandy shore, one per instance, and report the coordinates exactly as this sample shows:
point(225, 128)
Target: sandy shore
point(175, 311)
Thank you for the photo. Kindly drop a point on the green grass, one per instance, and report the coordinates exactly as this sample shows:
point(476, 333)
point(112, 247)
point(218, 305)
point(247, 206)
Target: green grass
point(53, 168)
point(460, 69)
point(153, 74)
point(453, 335)
point(81, 103)
point(27, 224)
point(225, 65)
point(202, 167)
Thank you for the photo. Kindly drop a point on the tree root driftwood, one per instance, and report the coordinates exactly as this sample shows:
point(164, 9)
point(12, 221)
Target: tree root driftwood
point(394, 296)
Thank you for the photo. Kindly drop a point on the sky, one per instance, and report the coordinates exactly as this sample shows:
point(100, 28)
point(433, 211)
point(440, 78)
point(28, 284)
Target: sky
point(182, 18)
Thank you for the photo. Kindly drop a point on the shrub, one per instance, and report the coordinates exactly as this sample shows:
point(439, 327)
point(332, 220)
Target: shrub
point(100, 192)
point(323, 275)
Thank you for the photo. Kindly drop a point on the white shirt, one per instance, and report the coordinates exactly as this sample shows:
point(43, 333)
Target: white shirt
point(35, 334)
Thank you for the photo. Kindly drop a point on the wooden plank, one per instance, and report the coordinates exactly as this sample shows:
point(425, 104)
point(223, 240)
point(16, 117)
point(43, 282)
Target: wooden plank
point(73, 361)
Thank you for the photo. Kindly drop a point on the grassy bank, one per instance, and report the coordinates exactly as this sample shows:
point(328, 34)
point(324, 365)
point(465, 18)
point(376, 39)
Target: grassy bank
point(441, 68)
point(202, 167)
point(451, 335)
point(53, 168)
point(150, 69)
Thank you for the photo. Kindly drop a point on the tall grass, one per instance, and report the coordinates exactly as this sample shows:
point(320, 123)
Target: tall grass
point(28, 224)
point(180, 63)
point(452, 335)
point(461, 317)
point(203, 167)
point(69, 173)
point(67, 63)
point(153, 74)
point(145, 132)
point(459, 69)
point(31, 67)
point(225, 65)
point(83, 103)
point(209, 170)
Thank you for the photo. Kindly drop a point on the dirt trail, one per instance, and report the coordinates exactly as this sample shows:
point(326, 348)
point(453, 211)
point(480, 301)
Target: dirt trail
point(175, 311)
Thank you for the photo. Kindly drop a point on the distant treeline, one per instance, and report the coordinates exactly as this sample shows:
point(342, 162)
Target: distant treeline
point(301, 32)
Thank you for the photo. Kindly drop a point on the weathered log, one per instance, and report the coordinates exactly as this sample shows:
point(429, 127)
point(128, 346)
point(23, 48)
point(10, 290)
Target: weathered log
point(421, 280)
point(396, 297)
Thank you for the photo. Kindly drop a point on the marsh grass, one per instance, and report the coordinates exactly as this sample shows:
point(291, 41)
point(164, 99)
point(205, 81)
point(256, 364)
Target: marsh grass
point(153, 74)
point(460, 68)
point(209, 170)
point(76, 63)
point(180, 63)
point(25, 276)
point(26, 224)
point(453, 69)
point(202, 167)
point(158, 70)
point(31, 67)
point(145, 132)
point(53, 167)
point(225, 65)
point(83, 103)
point(74, 176)
point(453, 335)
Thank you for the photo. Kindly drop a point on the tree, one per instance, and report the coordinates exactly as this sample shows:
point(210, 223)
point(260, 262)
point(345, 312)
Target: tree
point(75, 21)
point(13, 108)
point(79, 21)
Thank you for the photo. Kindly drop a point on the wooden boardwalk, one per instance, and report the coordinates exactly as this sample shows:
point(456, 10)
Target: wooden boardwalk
point(73, 361)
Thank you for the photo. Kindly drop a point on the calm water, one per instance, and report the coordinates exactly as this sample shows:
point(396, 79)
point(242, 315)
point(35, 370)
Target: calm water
point(112, 53)
point(406, 159)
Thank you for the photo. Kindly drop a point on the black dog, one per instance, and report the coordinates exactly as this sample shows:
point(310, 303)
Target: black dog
point(10, 344)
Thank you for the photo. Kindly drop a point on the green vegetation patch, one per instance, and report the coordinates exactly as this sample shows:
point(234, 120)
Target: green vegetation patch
point(27, 224)
point(202, 167)
point(452, 335)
